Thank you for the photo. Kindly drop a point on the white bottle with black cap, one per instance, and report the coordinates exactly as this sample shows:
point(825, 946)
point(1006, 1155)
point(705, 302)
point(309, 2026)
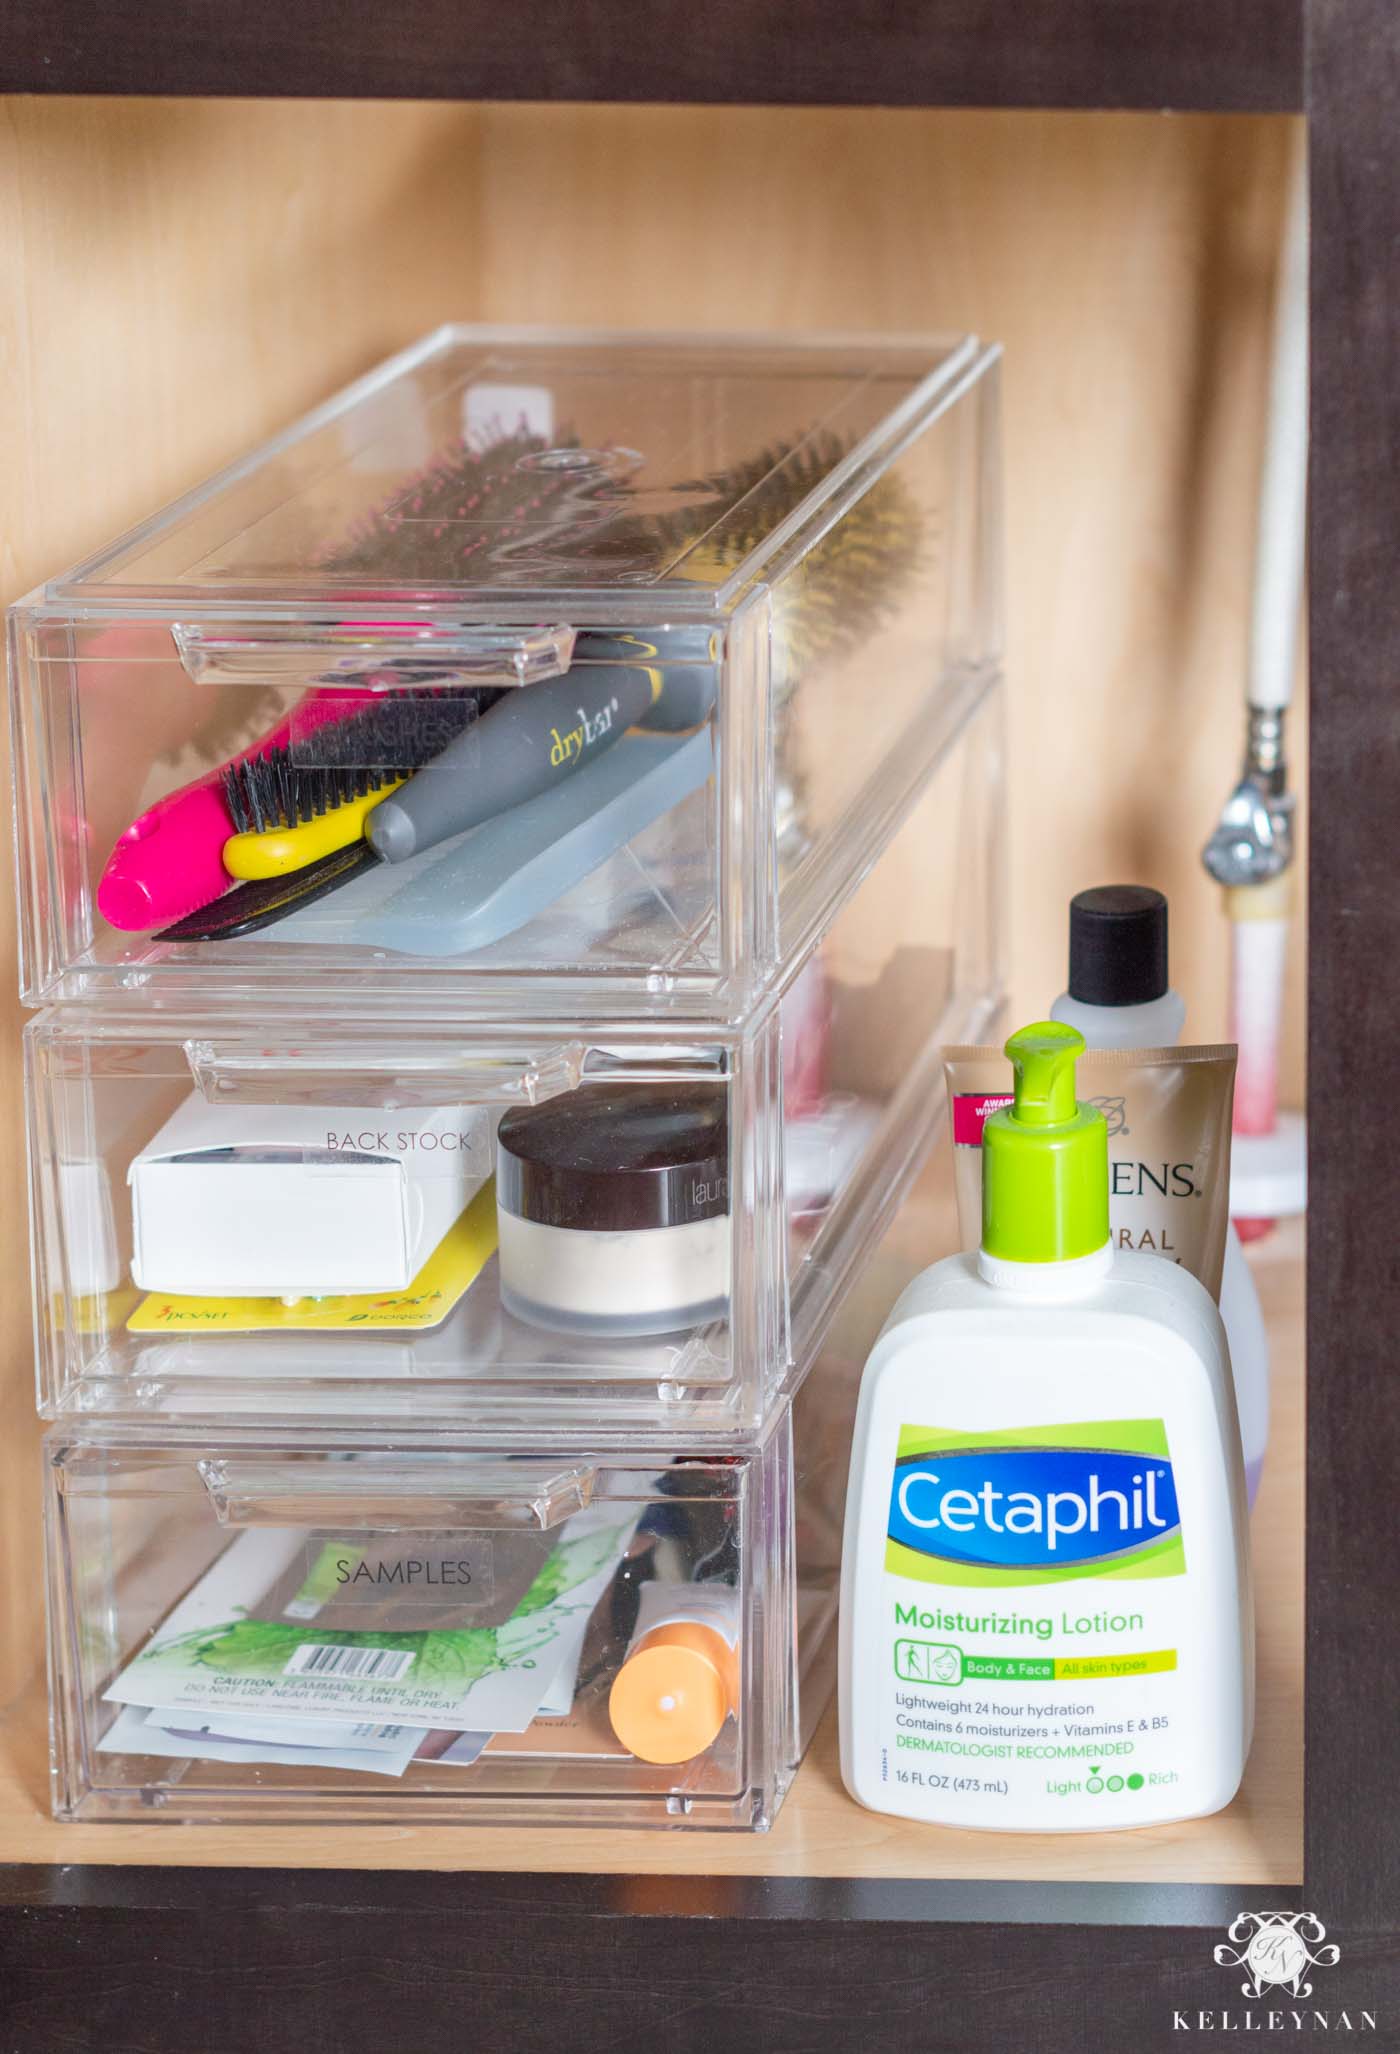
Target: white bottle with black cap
point(1119, 997)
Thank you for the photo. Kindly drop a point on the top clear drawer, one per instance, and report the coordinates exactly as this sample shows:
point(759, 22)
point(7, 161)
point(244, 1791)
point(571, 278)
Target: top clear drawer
point(537, 674)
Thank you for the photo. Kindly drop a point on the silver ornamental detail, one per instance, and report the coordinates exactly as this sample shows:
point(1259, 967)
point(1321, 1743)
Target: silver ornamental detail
point(1278, 1948)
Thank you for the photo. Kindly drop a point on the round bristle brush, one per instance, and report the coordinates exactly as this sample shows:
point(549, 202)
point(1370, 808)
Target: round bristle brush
point(842, 589)
point(489, 501)
point(831, 603)
point(524, 505)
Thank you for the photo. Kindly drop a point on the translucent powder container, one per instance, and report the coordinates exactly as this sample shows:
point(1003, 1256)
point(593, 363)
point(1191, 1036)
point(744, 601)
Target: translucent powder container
point(613, 1207)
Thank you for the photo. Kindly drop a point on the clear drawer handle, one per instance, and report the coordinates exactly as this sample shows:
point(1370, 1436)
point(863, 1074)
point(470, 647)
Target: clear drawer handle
point(433, 1493)
point(371, 655)
point(265, 1071)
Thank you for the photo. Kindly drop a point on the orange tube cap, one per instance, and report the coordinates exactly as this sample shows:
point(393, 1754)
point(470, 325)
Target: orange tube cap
point(668, 1702)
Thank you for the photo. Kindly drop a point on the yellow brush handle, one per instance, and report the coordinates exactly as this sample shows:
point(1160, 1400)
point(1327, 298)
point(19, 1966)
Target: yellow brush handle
point(281, 849)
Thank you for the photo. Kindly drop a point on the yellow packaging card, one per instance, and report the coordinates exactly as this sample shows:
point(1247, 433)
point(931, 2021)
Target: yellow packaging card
point(100, 1312)
point(457, 1261)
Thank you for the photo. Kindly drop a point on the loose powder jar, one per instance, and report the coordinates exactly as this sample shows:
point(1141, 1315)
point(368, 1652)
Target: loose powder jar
point(613, 1205)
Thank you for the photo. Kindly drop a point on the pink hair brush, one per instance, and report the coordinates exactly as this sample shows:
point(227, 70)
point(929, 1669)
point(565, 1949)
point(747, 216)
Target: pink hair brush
point(169, 863)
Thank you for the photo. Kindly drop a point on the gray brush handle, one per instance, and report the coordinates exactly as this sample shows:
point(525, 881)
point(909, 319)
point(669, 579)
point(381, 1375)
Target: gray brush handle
point(527, 743)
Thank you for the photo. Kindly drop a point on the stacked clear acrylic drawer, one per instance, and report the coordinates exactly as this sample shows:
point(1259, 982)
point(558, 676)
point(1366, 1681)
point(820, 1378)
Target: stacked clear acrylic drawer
point(752, 918)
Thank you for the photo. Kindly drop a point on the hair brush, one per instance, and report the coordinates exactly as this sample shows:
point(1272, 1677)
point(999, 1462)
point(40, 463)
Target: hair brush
point(290, 806)
point(500, 500)
point(829, 605)
point(169, 862)
point(520, 504)
point(843, 588)
point(834, 600)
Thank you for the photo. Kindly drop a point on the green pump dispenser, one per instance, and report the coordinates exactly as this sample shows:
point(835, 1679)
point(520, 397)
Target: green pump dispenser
point(1045, 1157)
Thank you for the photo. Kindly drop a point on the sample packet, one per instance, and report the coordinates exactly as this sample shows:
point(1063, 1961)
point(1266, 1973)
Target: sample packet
point(138, 1731)
point(291, 1743)
point(229, 1646)
point(297, 1733)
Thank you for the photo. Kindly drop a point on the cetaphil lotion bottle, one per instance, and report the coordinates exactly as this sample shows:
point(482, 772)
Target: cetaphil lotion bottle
point(1046, 1621)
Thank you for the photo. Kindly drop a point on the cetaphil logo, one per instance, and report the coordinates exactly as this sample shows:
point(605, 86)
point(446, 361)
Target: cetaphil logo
point(1035, 1508)
point(1277, 1949)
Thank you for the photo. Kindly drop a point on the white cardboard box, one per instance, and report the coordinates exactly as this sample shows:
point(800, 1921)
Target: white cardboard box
point(300, 1201)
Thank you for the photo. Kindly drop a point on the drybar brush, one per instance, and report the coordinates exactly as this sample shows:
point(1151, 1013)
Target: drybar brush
point(525, 744)
point(513, 506)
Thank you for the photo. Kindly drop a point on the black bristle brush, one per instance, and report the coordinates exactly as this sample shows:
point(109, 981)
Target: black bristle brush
point(301, 805)
point(383, 740)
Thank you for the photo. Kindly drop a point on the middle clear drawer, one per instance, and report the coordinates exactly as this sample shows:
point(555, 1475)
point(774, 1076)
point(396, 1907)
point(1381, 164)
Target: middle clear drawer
point(516, 1226)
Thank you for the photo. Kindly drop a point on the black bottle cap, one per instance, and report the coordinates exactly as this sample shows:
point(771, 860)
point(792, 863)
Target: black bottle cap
point(1118, 945)
point(617, 1157)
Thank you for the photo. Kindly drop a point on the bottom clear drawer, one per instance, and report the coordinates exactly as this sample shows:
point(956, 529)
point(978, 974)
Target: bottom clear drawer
point(341, 1627)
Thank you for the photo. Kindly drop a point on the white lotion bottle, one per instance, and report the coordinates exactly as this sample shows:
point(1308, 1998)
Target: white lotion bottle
point(1119, 997)
point(1046, 1621)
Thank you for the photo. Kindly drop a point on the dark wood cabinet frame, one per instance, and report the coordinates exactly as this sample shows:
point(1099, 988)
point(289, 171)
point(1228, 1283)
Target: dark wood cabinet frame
point(126, 1960)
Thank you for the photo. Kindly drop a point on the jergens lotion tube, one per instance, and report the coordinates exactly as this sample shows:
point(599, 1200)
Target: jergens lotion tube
point(1119, 997)
point(1045, 1603)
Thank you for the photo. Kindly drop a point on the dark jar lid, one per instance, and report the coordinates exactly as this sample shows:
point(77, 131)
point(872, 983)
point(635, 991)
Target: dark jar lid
point(612, 1158)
